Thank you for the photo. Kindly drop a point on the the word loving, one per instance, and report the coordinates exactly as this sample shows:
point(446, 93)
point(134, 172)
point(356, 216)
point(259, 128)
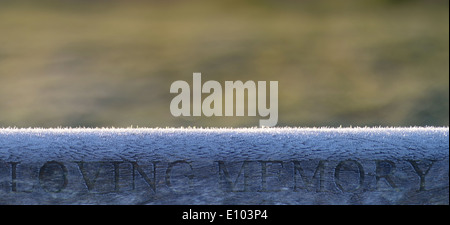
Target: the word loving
point(212, 104)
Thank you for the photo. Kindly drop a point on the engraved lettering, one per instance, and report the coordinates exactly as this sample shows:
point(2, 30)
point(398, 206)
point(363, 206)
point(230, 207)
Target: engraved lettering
point(90, 183)
point(420, 172)
point(15, 180)
point(53, 176)
point(309, 183)
point(116, 175)
point(299, 176)
point(14, 176)
point(346, 166)
point(264, 175)
point(149, 181)
point(226, 177)
point(385, 169)
point(189, 175)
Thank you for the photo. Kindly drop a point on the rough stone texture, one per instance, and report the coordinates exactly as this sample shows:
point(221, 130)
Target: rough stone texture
point(225, 166)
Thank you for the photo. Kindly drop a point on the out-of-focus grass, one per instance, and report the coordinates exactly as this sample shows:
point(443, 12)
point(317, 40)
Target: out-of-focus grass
point(111, 63)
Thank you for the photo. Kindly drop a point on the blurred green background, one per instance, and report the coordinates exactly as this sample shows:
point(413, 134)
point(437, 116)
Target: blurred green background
point(97, 63)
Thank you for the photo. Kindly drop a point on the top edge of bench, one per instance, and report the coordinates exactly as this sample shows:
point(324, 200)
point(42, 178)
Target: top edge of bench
point(225, 130)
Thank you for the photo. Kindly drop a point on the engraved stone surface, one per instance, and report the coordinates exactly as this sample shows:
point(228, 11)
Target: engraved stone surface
point(225, 166)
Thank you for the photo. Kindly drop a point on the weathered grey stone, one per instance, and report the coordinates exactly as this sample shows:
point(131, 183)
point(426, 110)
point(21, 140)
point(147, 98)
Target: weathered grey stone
point(225, 166)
